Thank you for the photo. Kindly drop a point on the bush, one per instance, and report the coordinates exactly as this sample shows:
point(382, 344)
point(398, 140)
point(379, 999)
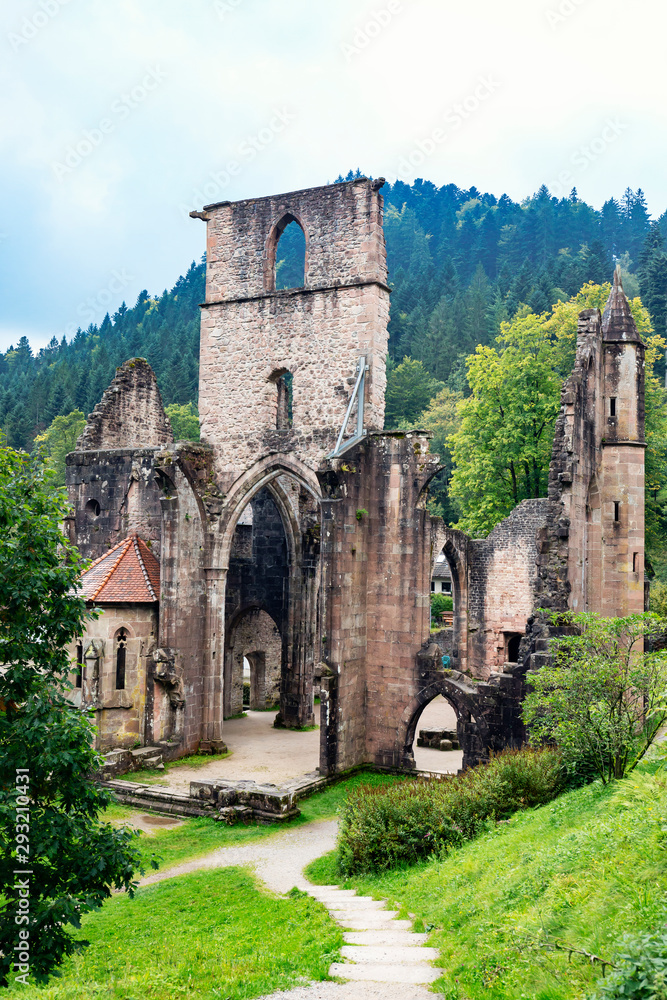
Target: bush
point(641, 970)
point(384, 827)
point(440, 603)
point(585, 701)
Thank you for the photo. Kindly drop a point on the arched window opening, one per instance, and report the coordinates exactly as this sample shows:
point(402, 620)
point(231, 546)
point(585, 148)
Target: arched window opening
point(93, 510)
point(284, 415)
point(79, 664)
point(290, 266)
point(513, 643)
point(121, 655)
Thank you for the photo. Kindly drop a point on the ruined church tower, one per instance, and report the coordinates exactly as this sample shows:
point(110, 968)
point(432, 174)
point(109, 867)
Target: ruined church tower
point(597, 470)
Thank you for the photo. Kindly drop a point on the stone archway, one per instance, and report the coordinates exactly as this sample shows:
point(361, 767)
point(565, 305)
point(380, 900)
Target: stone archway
point(472, 730)
point(253, 635)
point(279, 572)
point(453, 545)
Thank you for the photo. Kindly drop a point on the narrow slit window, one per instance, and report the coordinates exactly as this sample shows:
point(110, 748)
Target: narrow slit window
point(79, 664)
point(617, 510)
point(284, 414)
point(121, 655)
point(612, 406)
point(635, 562)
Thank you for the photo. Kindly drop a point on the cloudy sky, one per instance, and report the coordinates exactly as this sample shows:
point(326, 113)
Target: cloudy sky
point(119, 116)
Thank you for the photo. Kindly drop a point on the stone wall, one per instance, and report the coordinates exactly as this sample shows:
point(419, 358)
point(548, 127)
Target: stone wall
point(113, 494)
point(130, 414)
point(502, 585)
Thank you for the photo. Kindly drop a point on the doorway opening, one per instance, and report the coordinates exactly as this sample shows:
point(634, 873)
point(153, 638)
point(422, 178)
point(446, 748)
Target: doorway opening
point(436, 746)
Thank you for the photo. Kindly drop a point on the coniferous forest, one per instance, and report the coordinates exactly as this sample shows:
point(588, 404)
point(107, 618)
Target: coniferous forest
point(460, 262)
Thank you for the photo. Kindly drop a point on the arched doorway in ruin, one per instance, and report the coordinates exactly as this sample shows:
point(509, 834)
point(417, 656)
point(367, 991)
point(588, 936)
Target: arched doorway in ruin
point(272, 613)
point(253, 659)
point(451, 702)
point(453, 635)
point(436, 745)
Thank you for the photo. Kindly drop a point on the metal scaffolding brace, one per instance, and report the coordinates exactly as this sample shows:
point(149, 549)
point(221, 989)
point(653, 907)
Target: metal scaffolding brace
point(358, 393)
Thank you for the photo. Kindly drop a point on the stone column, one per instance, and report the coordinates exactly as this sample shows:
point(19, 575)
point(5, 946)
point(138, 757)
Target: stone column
point(213, 707)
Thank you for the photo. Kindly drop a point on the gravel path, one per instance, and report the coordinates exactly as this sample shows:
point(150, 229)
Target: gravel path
point(383, 958)
point(354, 991)
point(279, 860)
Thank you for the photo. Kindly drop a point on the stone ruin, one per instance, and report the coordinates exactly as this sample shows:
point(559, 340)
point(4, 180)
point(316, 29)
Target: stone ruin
point(300, 541)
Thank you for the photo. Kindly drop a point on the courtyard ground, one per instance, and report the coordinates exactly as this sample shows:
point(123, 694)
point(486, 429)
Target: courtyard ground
point(258, 752)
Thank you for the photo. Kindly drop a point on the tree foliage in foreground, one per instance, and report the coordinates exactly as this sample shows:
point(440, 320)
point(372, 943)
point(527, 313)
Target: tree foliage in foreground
point(603, 699)
point(74, 858)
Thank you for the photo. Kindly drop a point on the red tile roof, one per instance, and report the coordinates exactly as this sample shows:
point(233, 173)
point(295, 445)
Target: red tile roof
point(128, 573)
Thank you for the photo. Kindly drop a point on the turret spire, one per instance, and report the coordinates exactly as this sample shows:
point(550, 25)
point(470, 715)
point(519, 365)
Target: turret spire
point(618, 322)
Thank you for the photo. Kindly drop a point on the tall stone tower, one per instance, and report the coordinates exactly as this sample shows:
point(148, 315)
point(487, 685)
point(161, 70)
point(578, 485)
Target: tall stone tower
point(597, 472)
point(622, 466)
point(252, 333)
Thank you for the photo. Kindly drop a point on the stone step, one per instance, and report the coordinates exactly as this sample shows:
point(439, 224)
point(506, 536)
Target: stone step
point(332, 890)
point(339, 901)
point(388, 956)
point(369, 924)
point(411, 974)
point(386, 938)
point(142, 752)
point(362, 913)
point(354, 903)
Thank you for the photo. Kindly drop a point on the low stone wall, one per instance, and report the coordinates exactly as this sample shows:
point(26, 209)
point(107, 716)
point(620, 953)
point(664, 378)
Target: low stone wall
point(122, 761)
point(228, 801)
point(439, 739)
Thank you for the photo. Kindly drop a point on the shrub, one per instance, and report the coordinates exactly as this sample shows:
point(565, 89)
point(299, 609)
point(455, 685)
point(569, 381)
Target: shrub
point(586, 701)
point(440, 603)
point(641, 970)
point(384, 827)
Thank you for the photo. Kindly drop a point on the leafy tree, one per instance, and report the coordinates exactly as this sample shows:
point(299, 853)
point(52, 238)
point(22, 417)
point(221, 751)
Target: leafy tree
point(410, 389)
point(439, 604)
point(442, 419)
point(503, 447)
point(59, 440)
point(502, 450)
point(184, 421)
point(603, 699)
point(46, 757)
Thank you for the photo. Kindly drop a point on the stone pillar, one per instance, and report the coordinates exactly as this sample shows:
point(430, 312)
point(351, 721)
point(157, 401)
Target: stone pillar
point(169, 570)
point(213, 708)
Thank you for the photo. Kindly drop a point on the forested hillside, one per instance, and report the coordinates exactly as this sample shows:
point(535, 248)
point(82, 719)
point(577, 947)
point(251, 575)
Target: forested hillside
point(459, 261)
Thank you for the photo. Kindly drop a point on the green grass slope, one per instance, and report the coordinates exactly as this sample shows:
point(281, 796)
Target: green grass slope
point(211, 935)
point(580, 872)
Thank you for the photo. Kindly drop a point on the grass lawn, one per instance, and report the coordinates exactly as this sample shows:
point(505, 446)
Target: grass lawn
point(205, 936)
point(209, 935)
point(197, 837)
point(583, 870)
